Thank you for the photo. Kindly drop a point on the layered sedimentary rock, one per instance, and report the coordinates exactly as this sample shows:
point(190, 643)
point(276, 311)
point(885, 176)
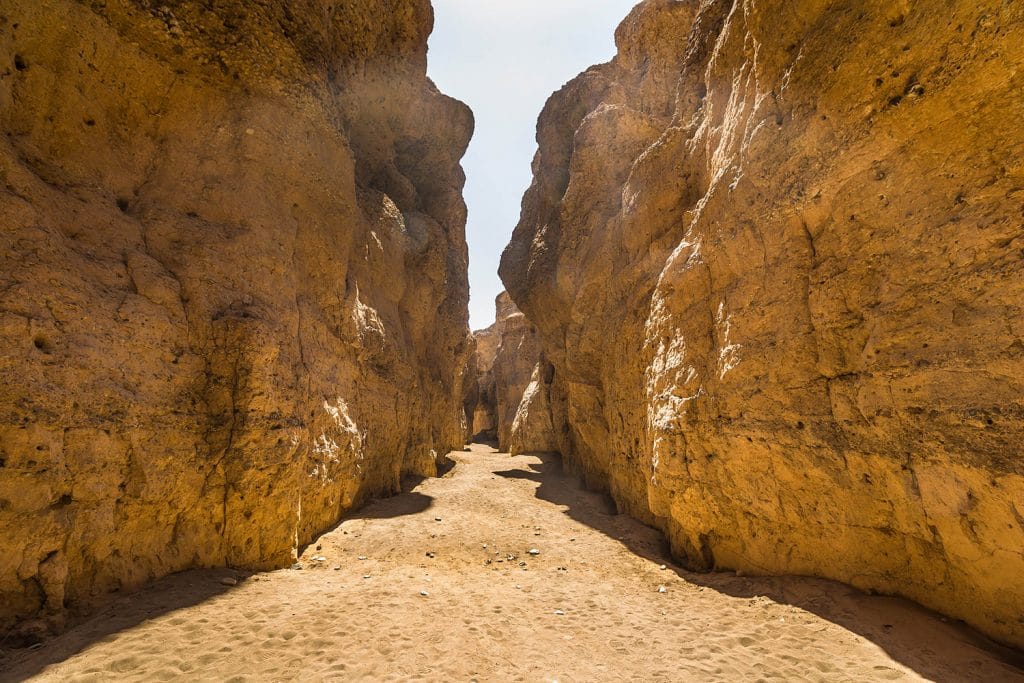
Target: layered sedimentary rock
point(233, 283)
point(775, 255)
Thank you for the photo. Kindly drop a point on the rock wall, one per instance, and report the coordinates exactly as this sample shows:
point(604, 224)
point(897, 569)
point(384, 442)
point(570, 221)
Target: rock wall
point(485, 396)
point(514, 361)
point(510, 371)
point(233, 285)
point(775, 254)
point(532, 429)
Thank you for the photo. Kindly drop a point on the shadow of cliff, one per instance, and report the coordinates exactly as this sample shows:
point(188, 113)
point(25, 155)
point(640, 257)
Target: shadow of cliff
point(169, 594)
point(178, 591)
point(485, 439)
point(386, 508)
point(912, 635)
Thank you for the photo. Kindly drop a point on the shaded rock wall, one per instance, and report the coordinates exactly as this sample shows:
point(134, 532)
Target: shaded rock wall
point(233, 284)
point(775, 254)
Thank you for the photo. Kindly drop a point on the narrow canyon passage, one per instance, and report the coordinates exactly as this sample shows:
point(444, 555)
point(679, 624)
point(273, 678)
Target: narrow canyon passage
point(439, 583)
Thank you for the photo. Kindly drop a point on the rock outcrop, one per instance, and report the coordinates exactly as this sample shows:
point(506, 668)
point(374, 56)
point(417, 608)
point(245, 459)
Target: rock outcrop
point(233, 285)
point(484, 397)
point(517, 355)
point(774, 253)
point(511, 373)
point(532, 430)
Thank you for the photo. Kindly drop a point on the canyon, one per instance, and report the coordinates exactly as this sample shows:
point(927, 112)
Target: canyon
point(774, 255)
point(765, 305)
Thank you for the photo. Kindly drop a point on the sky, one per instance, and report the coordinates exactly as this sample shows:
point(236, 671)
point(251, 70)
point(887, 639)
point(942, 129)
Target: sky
point(504, 59)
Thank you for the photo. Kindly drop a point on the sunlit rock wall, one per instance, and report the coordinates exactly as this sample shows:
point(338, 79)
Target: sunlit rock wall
point(774, 253)
point(233, 284)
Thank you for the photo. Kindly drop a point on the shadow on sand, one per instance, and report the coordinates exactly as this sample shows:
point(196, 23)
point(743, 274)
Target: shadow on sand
point(169, 594)
point(912, 635)
point(176, 592)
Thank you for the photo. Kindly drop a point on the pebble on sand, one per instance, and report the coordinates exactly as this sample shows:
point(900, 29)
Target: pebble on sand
point(534, 551)
point(228, 581)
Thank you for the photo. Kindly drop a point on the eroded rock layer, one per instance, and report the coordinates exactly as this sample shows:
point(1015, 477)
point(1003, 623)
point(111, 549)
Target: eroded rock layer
point(774, 252)
point(233, 283)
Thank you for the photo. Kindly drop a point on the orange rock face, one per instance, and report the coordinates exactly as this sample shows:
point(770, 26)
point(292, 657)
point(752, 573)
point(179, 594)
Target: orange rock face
point(233, 284)
point(774, 253)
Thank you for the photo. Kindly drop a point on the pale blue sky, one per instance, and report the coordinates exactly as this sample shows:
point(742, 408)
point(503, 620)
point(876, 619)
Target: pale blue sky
point(504, 59)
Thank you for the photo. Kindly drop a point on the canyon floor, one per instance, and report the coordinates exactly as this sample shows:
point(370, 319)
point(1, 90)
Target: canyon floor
point(439, 583)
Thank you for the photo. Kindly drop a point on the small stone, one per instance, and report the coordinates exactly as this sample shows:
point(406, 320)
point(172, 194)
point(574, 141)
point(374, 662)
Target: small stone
point(361, 557)
point(662, 589)
point(534, 551)
point(429, 554)
point(320, 558)
point(559, 612)
point(250, 131)
point(228, 581)
point(662, 567)
point(437, 519)
point(424, 593)
point(366, 576)
point(337, 568)
point(485, 545)
point(297, 566)
point(319, 547)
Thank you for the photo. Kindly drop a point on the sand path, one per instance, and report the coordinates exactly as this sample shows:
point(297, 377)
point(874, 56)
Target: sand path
point(439, 584)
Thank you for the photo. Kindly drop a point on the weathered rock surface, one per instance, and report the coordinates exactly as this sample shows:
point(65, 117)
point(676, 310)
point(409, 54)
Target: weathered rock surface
point(484, 398)
point(774, 252)
point(532, 430)
point(511, 371)
point(232, 282)
point(516, 358)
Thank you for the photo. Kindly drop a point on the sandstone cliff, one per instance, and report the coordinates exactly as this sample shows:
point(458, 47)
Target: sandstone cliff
point(511, 372)
point(233, 283)
point(484, 397)
point(774, 252)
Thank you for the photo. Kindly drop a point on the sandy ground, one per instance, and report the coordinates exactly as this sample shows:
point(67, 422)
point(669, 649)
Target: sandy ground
point(439, 584)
